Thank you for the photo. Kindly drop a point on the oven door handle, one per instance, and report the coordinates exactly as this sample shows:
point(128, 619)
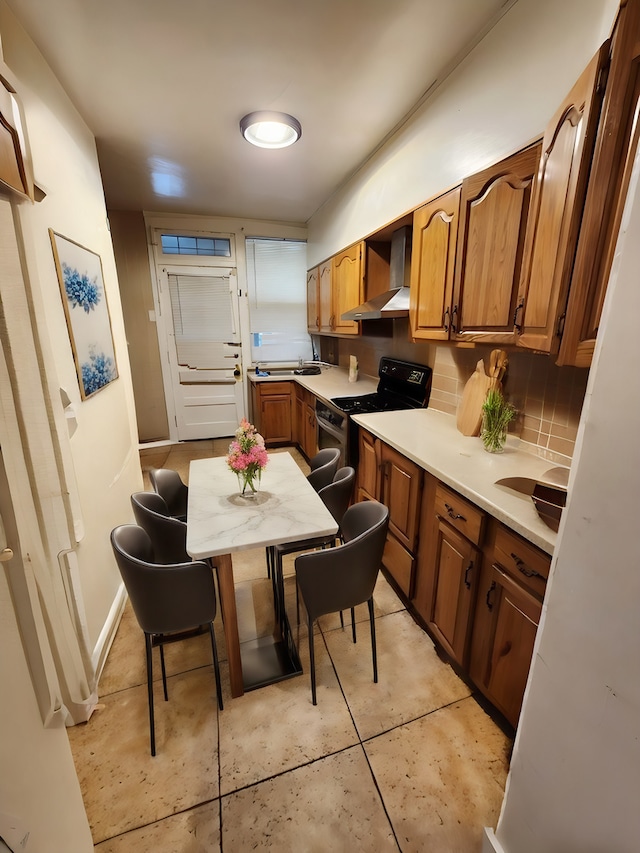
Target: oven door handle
point(336, 432)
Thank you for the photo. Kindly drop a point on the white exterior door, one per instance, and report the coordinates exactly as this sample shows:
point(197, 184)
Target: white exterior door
point(199, 307)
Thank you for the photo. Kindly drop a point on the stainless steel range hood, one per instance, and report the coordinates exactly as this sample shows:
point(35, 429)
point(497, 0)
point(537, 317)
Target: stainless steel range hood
point(395, 301)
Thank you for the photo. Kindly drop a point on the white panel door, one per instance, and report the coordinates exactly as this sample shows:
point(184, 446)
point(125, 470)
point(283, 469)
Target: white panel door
point(202, 328)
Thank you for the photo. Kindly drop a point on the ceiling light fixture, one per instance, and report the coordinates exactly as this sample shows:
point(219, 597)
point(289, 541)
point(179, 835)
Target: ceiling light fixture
point(270, 130)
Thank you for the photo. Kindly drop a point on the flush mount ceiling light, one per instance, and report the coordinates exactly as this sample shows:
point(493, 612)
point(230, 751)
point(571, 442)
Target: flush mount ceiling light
point(270, 130)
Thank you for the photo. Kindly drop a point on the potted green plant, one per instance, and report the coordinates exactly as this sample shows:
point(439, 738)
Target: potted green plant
point(497, 414)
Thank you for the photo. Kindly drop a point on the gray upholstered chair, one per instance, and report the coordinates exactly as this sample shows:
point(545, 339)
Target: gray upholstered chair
point(171, 602)
point(169, 485)
point(323, 468)
point(168, 535)
point(340, 578)
point(336, 497)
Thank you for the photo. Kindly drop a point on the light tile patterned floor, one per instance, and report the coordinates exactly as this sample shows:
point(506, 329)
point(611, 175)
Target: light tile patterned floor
point(410, 764)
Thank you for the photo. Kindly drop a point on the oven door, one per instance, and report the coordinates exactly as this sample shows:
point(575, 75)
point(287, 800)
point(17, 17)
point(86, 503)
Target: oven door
point(332, 430)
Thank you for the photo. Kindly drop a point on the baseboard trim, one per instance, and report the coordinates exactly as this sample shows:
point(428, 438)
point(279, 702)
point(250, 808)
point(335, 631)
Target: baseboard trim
point(490, 843)
point(108, 633)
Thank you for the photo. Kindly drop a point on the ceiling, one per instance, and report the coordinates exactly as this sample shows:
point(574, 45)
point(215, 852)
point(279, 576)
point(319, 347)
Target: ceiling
point(163, 85)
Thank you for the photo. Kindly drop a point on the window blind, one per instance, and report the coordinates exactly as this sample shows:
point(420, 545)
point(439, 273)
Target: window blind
point(277, 288)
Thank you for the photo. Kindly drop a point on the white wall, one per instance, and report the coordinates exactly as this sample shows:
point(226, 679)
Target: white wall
point(575, 773)
point(497, 100)
point(103, 450)
point(38, 784)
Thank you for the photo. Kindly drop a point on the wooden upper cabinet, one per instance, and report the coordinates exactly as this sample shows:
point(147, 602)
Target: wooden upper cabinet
point(324, 296)
point(556, 210)
point(347, 285)
point(432, 264)
point(313, 300)
point(613, 158)
point(494, 210)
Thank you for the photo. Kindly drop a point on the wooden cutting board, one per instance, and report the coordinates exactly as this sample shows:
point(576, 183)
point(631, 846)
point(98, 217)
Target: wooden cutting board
point(469, 415)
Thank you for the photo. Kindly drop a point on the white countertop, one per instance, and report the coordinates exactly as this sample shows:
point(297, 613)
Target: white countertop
point(287, 508)
point(331, 382)
point(431, 440)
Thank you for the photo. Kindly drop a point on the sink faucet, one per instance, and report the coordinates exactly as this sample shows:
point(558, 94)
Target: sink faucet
point(320, 363)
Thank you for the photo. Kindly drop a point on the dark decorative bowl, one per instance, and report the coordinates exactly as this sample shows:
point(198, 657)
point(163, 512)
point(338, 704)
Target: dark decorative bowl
point(549, 502)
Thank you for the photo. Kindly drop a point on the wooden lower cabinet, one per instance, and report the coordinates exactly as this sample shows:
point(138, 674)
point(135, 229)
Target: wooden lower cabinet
point(448, 567)
point(271, 404)
point(388, 476)
point(509, 604)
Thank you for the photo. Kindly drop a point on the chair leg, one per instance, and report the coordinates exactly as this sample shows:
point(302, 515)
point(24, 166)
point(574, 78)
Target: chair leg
point(152, 729)
point(269, 555)
point(312, 662)
point(374, 653)
point(341, 620)
point(216, 666)
point(164, 673)
point(353, 623)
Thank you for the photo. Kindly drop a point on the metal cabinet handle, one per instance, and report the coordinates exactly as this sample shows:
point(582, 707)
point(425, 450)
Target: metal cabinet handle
point(453, 514)
point(519, 308)
point(467, 582)
point(488, 599)
point(454, 313)
point(522, 567)
point(445, 320)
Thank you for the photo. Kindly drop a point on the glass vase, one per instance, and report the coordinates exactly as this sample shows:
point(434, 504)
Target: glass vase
point(493, 435)
point(249, 483)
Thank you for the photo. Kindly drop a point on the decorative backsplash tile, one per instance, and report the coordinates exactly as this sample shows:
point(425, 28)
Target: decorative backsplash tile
point(548, 398)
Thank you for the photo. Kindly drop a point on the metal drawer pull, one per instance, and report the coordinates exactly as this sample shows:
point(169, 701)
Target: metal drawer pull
point(467, 582)
point(522, 567)
point(489, 591)
point(453, 514)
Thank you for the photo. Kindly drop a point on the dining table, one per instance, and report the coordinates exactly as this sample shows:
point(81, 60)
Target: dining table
point(222, 522)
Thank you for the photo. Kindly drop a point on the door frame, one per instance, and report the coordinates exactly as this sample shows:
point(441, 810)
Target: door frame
point(159, 262)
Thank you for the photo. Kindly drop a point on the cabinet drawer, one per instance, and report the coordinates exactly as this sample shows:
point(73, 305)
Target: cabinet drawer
point(270, 389)
point(459, 513)
point(523, 561)
point(399, 563)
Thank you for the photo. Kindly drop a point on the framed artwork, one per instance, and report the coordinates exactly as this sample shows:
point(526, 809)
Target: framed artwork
point(85, 306)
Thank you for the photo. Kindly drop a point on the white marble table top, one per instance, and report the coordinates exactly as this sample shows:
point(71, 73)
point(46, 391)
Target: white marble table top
point(287, 508)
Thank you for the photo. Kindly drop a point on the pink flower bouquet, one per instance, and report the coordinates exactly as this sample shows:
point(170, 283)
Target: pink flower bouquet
point(247, 457)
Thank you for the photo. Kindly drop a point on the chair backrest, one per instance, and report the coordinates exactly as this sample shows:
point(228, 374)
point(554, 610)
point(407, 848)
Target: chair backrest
point(340, 578)
point(336, 495)
point(165, 598)
point(169, 485)
point(323, 467)
point(168, 535)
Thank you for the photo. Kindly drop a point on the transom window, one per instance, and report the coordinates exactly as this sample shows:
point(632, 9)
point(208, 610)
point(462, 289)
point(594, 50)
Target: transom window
point(176, 244)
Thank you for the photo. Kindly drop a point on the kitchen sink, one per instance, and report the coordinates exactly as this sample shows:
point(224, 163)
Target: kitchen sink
point(290, 371)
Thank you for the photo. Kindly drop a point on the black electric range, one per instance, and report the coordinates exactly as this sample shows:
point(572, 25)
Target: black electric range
point(401, 385)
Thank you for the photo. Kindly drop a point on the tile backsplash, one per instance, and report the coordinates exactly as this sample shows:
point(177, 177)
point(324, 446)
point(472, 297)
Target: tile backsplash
point(548, 398)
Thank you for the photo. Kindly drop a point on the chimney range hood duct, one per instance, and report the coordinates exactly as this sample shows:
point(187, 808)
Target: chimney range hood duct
point(395, 301)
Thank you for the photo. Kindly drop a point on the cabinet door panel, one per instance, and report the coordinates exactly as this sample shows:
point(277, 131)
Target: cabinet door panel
point(455, 563)
point(400, 490)
point(275, 418)
point(324, 297)
point(313, 307)
point(556, 209)
point(503, 638)
point(494, 209)
point(432, 264)
point(368, 486)
point(399, 563)
point(347, 288)
point(614, 154)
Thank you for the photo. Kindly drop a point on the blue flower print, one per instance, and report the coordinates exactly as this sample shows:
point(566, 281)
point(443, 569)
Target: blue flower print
point(80, 289)
point(97, 372)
